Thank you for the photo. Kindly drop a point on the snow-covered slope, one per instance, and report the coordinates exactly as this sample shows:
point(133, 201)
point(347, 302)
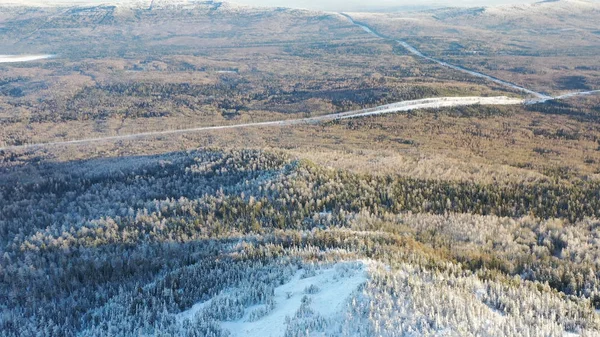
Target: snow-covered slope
point(51, 3)
point(320, 295)
point(544, 8)
point(538, 14)
point(125, 3)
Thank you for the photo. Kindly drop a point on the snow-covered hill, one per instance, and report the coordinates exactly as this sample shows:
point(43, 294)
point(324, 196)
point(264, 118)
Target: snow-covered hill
point(51, 3)
point(124, 3)
point(544, 13)
point(544, 8)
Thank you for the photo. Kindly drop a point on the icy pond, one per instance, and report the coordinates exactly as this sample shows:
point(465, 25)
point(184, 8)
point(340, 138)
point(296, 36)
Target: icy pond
point(23, 58)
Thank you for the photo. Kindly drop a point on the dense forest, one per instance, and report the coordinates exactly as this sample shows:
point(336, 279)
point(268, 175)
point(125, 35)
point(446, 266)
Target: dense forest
point(125, 246)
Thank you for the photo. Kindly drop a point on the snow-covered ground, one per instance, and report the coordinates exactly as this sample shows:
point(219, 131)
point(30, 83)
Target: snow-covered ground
point(23, 58)
point(191, 312)
point(330, 290)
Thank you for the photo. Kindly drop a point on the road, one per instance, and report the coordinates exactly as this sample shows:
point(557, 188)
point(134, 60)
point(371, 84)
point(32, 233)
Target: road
point(540, 97)
point(436, 103)
point(580, 93)
point(384, 109)
point(416, 52)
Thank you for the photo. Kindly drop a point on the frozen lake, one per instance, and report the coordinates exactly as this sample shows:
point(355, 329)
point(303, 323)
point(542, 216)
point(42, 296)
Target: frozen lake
point(23, 58)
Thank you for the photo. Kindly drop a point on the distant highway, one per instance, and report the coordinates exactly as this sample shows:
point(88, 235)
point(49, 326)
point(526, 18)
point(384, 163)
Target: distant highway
point(426, 103)
point(540, 96)
point(404, 106)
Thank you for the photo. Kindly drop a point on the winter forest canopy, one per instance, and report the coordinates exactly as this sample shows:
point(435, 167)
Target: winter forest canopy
point(130, 247)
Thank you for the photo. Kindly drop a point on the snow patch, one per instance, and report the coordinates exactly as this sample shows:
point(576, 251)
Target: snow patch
point(191, 312)
point(335, 287)
point(329, 290)
point(480, 294)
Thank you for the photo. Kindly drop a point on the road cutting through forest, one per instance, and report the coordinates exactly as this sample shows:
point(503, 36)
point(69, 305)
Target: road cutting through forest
point(428, 103)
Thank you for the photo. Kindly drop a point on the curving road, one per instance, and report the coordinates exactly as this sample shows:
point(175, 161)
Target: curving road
point(384, 109)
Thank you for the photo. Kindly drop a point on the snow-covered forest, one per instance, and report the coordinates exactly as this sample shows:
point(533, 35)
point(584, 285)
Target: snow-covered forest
point(253, 243)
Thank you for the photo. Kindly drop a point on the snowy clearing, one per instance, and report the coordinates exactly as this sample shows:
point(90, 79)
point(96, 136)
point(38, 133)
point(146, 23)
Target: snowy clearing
point(328, 289)
point(23, 58)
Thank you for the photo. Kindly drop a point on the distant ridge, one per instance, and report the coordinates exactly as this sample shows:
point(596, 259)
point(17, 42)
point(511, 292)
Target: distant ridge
point(552, 5)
